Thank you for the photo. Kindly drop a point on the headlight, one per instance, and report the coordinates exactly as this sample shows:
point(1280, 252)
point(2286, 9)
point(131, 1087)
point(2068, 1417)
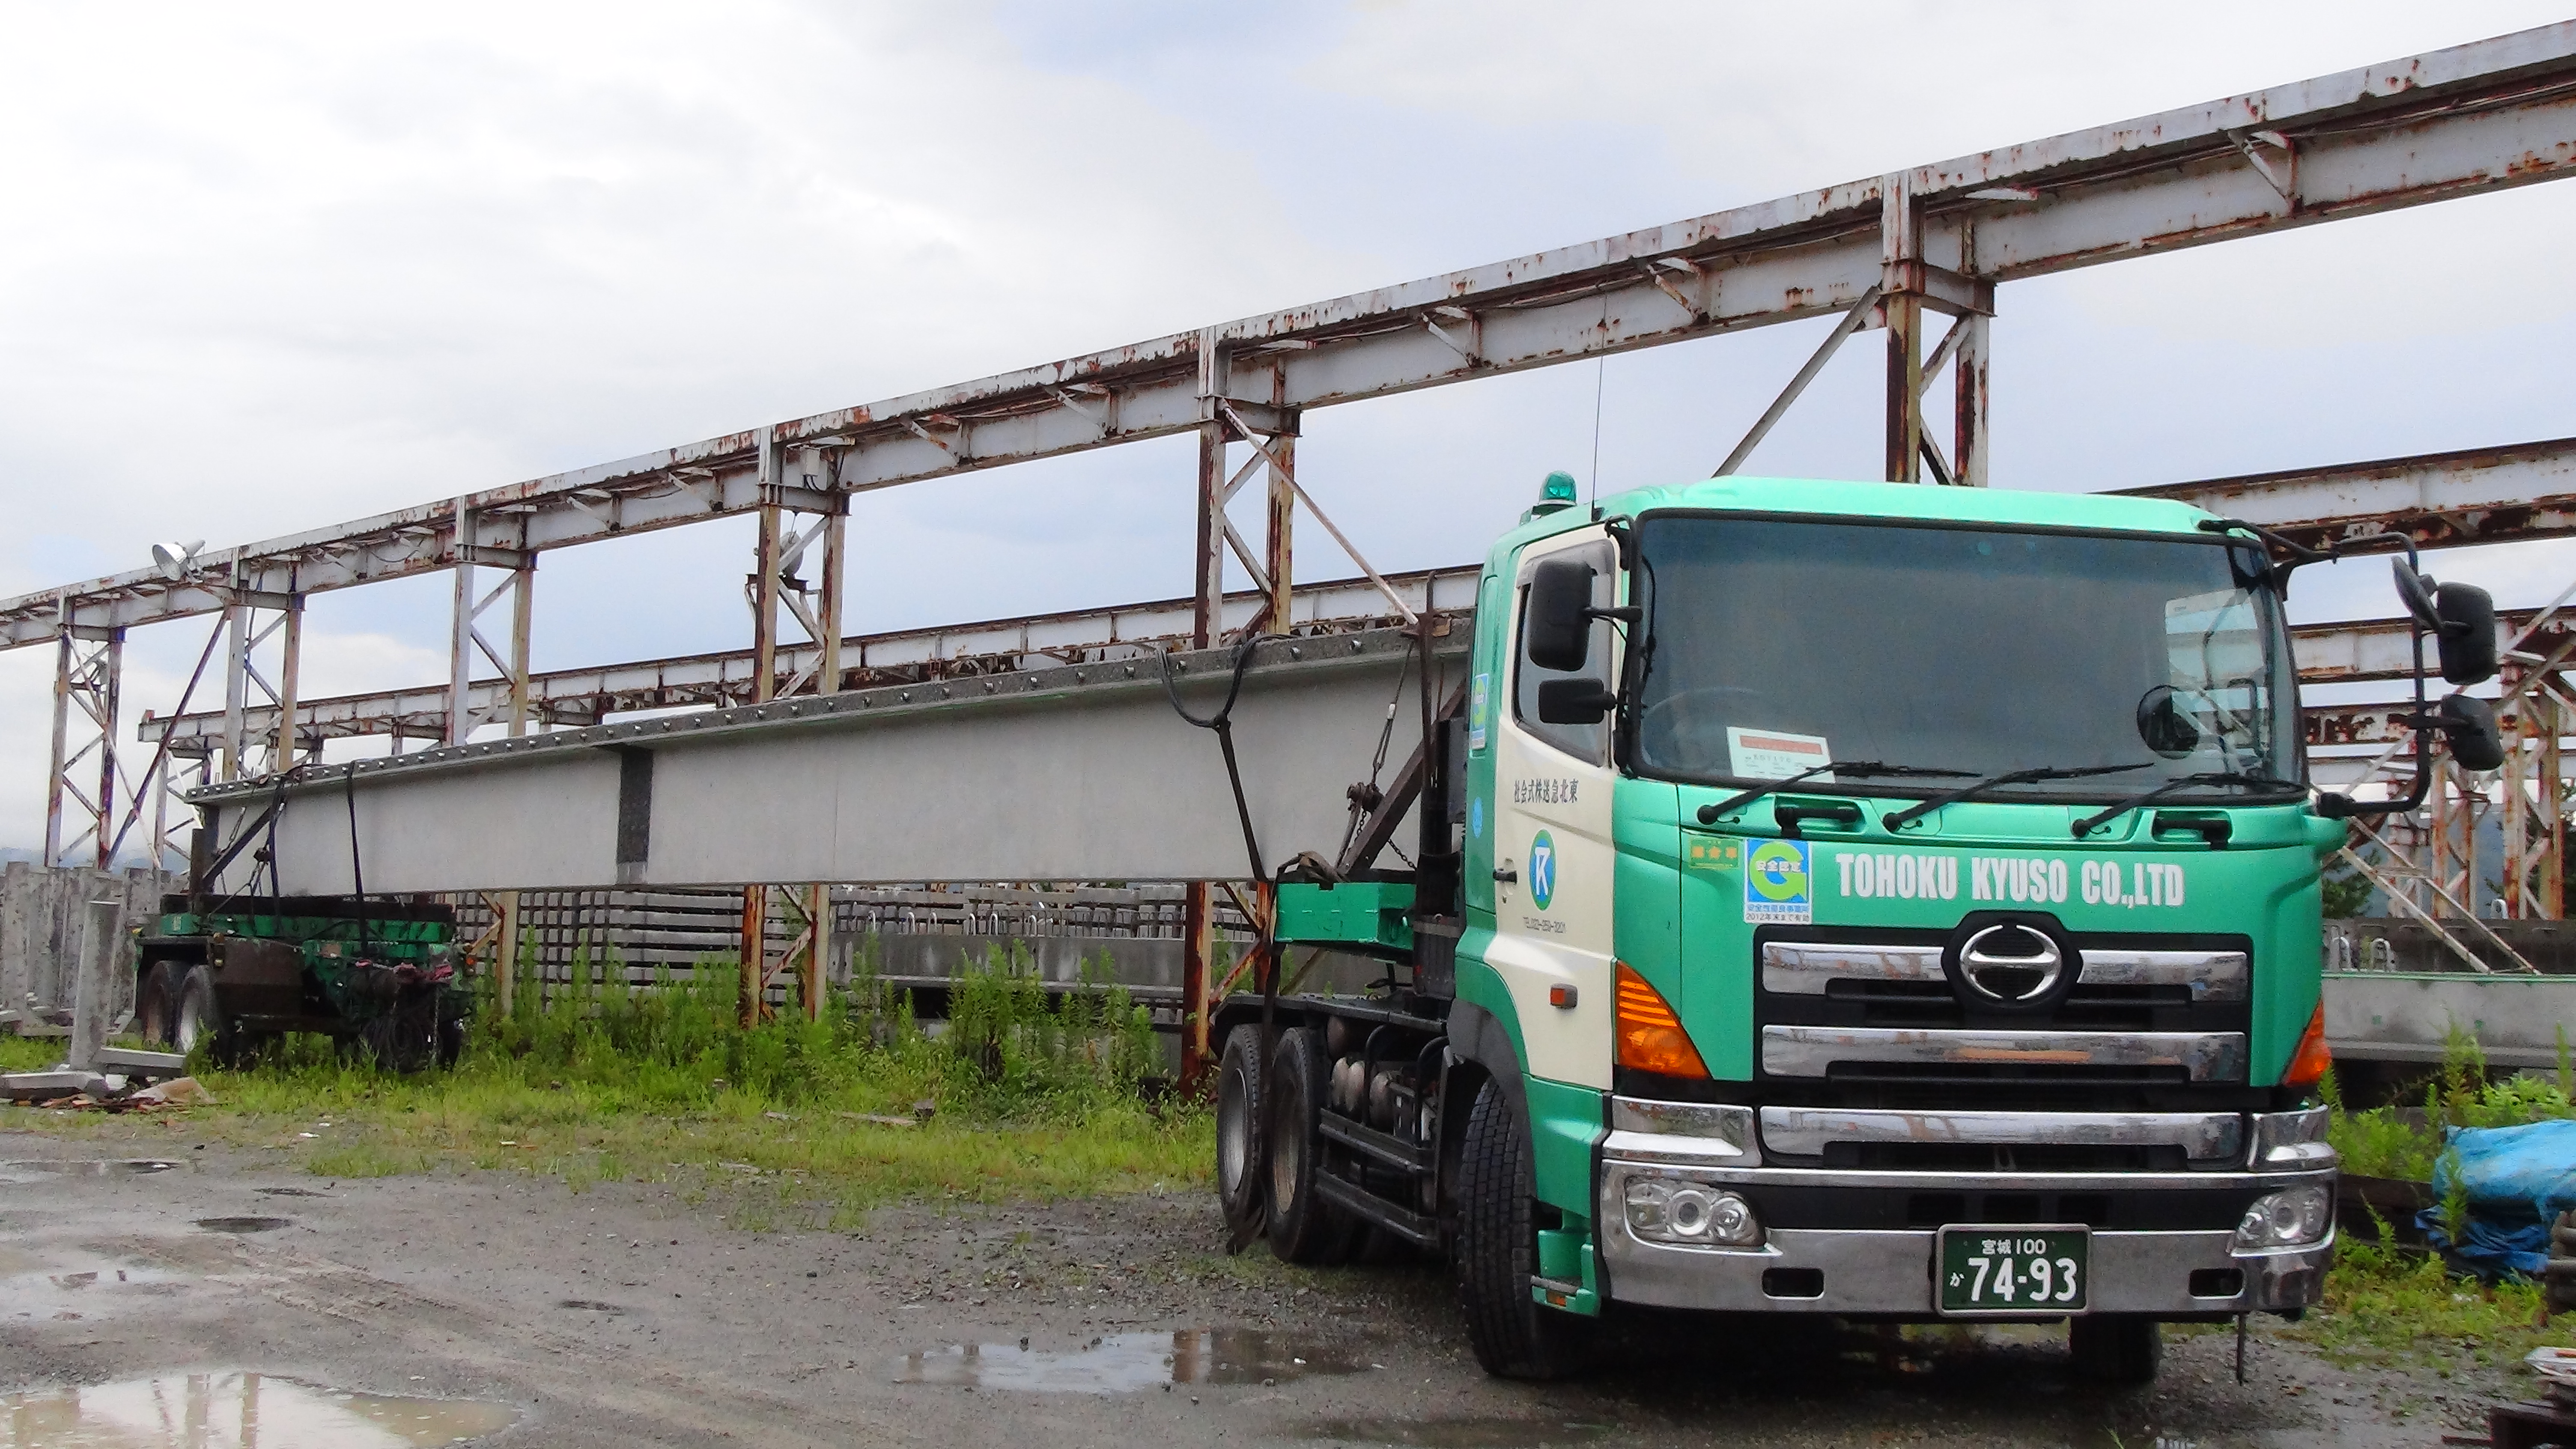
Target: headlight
point(1691, 1214)
point(2291, 1218)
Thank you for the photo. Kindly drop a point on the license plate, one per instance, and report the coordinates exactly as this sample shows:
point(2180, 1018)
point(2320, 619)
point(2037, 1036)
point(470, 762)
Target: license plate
point(2015, 1270)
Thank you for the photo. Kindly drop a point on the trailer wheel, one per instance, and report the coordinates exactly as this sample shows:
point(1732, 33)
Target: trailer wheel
point(1238, 1117)
point(194, 1016)
point(2116, 1349)
point(1303, 1227)
point(156, 1004)
point(1497, 1247)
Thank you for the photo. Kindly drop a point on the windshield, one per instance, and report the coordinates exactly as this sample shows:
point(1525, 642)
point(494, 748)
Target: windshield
point(1777, 645)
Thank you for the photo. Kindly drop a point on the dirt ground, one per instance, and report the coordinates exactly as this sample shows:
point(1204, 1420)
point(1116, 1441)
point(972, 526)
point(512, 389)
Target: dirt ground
point(633, 1314)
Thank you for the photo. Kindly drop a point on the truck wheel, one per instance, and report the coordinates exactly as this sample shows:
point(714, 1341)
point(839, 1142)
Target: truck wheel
point(194, 1017)
point(1238, 1117)
point(1303, 1227)
point(1497, 1246)
point(156, 1004)
point(2115, 1349)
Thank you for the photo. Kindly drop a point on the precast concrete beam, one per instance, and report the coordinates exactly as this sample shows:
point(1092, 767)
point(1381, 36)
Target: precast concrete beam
point(1074, 773)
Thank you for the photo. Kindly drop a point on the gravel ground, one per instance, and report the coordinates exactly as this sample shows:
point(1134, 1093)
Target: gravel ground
point(638, 1314)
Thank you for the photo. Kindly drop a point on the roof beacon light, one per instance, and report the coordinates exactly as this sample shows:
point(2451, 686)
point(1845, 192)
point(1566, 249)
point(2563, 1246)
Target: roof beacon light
point(1557, 492)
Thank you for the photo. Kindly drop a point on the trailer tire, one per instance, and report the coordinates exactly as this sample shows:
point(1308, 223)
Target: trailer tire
point(2115, 1349)
point(156, 1003)
point(194, 1016)
point(1497, 1249)
point(1303, 1227)
point(1238, 1120)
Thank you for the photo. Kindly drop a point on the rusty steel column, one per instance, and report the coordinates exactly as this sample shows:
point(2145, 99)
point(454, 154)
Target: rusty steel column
point(236, 683)
point(1900, 252)
point(2553, 809)
point(57, 776)
point(2514, 886)
point(763, 587)
point(827, 677)
point(460, 643)
point(1207, 627)
point(1278, 549)
point(1970, 448)
point(818, 947)
point(105, 689)
point(282, 741)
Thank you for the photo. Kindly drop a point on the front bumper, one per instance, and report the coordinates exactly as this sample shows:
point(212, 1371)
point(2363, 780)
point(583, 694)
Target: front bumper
point(1890, 1272)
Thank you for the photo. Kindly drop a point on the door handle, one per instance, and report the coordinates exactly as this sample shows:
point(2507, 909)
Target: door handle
point(1506, 874)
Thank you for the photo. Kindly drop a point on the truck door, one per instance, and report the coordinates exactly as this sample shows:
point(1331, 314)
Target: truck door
point(1552, 850)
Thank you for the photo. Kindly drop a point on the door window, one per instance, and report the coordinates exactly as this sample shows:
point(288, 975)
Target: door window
point(1583, 741)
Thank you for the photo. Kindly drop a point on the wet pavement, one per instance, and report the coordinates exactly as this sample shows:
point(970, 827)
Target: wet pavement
point(237, 1411)
point(138, 1293)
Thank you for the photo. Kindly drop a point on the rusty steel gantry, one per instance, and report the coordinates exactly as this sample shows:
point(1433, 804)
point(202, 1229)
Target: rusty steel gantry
point(1888, 253)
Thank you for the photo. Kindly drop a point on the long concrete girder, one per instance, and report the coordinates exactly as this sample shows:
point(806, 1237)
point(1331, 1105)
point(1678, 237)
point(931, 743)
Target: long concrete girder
point(2476, 495)
point(2481, 117)
point(1080, 772)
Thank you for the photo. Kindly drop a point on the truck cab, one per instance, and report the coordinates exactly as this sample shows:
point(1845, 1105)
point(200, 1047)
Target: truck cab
point(1892, 902)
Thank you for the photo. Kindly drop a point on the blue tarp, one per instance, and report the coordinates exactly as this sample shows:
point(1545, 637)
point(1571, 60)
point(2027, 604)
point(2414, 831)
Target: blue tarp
point(2519, 1179)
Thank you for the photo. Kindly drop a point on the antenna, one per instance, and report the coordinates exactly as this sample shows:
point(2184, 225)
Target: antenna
point(1592, 480)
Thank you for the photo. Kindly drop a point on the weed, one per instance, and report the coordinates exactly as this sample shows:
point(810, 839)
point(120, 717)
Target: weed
point(2390, 1305)
point(596, 1080)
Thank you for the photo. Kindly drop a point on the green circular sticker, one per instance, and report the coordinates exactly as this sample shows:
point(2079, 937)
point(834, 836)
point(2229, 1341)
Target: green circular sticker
point(1777, 871)
point(1542, 870)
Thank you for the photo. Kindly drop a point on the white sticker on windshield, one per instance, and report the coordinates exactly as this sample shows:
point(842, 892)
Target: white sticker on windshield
point(1775, 754)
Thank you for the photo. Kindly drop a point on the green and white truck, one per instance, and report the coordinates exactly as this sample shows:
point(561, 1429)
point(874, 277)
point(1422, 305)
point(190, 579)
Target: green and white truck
point(1873, 900)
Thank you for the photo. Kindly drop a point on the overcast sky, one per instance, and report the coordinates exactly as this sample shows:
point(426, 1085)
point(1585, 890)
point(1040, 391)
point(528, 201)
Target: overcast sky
point(268, 268)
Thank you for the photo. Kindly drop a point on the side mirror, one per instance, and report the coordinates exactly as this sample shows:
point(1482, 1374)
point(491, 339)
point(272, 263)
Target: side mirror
point(2468, 637)
point(1575, 701)
point(1555, 634)
point(2470, 726)
point(2163, 727)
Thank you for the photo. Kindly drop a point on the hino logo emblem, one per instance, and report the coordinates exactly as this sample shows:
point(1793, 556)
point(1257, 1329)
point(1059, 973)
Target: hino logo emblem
point(2010, 964)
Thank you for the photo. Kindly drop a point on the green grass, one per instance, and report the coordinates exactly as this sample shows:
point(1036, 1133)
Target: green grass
point(596, 1083)
point(29, 1054)
point(2392, 1307)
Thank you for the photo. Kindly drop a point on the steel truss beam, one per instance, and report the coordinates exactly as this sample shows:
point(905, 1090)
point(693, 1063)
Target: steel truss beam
point(2474, 118)
point(580, 697)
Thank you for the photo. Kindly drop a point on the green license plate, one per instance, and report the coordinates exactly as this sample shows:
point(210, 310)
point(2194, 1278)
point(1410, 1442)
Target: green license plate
point(2015, 1270)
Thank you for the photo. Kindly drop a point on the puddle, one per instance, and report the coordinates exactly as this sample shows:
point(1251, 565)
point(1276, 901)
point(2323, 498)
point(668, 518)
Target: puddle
point(45, 1170)
point(238, 1411)
point(244, 1225)
point(1123, 1362)
point(78, 1286)
point(1463, 1433)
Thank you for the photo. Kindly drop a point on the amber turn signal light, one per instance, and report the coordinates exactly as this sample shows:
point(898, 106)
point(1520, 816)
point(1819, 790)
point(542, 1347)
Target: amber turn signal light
point(1651, 1038)
point(2309, 1063)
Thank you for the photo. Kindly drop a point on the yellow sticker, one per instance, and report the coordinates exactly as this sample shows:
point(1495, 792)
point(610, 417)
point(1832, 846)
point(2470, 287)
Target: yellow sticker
point(1713, 854)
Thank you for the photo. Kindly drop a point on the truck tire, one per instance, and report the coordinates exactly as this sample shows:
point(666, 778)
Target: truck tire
point(1303, 1227)
point(1497, 1247)
point(2115, 1349)
point(156, 1004)
point(1239, 1189)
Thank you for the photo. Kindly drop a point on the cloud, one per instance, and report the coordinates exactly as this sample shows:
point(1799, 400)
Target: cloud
point(273, 269)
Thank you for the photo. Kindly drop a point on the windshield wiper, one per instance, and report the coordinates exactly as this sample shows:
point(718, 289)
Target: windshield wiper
point(2096, 821)
point(1857, 769)
point(2008, 777)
